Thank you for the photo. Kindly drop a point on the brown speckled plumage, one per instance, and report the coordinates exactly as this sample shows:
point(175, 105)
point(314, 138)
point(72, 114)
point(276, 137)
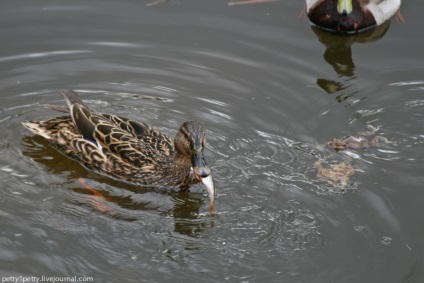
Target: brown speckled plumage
point(124, 149)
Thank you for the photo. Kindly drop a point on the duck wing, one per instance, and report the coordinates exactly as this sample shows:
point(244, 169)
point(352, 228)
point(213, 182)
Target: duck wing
point(129, 141)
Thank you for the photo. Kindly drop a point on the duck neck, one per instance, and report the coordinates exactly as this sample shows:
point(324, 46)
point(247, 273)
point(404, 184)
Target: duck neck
point(182, 172)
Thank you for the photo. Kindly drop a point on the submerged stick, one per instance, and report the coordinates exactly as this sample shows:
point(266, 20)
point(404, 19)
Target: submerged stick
point(249, 2)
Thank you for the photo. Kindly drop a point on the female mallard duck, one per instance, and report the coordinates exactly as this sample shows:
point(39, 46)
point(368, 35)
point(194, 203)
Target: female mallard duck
point(350, 16)
point(128, 150)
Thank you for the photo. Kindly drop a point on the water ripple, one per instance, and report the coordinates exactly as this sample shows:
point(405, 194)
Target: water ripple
point(236, 72)
point(42, 54)
point(293, 230)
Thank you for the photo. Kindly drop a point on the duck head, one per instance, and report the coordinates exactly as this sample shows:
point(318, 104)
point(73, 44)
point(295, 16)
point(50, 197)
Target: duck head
point(190, 142)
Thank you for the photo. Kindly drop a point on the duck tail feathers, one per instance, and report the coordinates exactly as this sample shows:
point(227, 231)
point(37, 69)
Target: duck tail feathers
point(71, 98)
point(38, 128)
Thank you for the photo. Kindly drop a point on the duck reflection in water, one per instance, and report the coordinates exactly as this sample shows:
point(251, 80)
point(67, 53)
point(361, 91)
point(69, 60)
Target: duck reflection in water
point(120, 200)
point(338, 54)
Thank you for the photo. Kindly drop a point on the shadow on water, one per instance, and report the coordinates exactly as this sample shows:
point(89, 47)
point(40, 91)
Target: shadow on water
point(116, 199)
point(338, 54)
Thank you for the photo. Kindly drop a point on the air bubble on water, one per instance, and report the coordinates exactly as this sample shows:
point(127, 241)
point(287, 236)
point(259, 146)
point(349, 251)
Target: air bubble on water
point(386, 241)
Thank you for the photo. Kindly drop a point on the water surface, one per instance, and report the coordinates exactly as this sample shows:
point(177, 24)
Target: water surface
point(271, 92)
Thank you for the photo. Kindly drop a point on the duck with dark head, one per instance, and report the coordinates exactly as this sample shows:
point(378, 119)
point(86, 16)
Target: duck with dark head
point(350, 16)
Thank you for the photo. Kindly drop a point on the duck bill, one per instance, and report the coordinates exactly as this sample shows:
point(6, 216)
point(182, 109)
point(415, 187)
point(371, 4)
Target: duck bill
point(203, 173)
point(344, 6)
point(199, 165)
